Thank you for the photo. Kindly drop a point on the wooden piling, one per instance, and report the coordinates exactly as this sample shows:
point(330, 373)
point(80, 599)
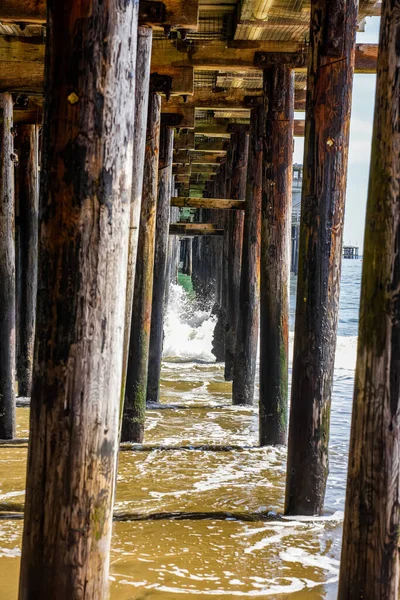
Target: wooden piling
point(160, 263)
point(141, 100)
point(329, 87)
point(247, 332)
point(187, 256)
point(370, 550)
point(275, 254)
point(84, 230)
point(28, 201)
point(219, 308)
point(7, 271)
point(235, 222)
point(136, 379)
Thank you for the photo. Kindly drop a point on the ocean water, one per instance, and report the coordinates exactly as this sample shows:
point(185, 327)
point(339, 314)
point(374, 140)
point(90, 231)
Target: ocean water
point(195, 497)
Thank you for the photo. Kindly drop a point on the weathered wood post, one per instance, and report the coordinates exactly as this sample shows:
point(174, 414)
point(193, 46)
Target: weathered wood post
point(28, 201)
point(329, 87)
point(187, 258)
point(235, 221)
point(84, 229)
point(247, 333)
point(136, 379)
point(219, 309)
point(7, 271)
point(370, 551)
point(143, 59)
point(275, 253)
point(160, 262)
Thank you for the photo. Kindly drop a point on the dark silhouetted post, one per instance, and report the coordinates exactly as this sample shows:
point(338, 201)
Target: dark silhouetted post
point(28, 201)
point(370, 552)
point(234, 235)
point(136, 378)
point(275, 253)
point(247, 333)
point(329, 88)
point(7, 271)
point(160, 263)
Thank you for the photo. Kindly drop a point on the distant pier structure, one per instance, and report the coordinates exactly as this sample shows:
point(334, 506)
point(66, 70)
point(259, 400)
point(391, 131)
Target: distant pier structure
point(297, 183)
point(350, 251)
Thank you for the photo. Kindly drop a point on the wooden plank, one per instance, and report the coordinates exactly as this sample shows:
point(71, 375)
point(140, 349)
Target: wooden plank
point(239, 56)
point(210, 99)
point(219, 145)
point(178, 13)
point(182, 170)
point(27, 58)
point(176, 229)
point(184, 140)
point(185, 116)
point(199, 226)
point(182, 81)
point(26, 11)
point(217, 203)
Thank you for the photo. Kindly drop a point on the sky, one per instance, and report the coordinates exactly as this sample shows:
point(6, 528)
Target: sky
point(360, 145)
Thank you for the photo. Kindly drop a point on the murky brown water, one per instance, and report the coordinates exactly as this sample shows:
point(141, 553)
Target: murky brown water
point(234, 552)
point(212, 558)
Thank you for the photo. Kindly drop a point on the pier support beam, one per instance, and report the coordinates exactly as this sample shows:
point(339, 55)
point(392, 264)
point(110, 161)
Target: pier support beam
point(7, 271)
point(84, 196)
point(136, 378)
point(370, 551)
point(143, 60)
point(234, 224)
point(275, 253)
point(247, 333)
point(160, 263)
point(187, 250)
point(28, 201)
point(219, 309)
point(329, 88)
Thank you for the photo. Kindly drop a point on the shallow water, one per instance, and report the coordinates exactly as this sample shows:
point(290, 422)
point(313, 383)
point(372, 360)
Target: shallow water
point(181, 552)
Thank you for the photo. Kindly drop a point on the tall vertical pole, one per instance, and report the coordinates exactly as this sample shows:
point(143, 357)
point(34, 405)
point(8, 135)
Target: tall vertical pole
point(28, 200)
point(143, 59)
point(371, 534)
point(160, 263)
point(218, 340)
point(235, 222)
point(275, 253)
point(136, 379)
point(84, 230)
point(7, 271)
point(329, 88)
point(247, 333)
